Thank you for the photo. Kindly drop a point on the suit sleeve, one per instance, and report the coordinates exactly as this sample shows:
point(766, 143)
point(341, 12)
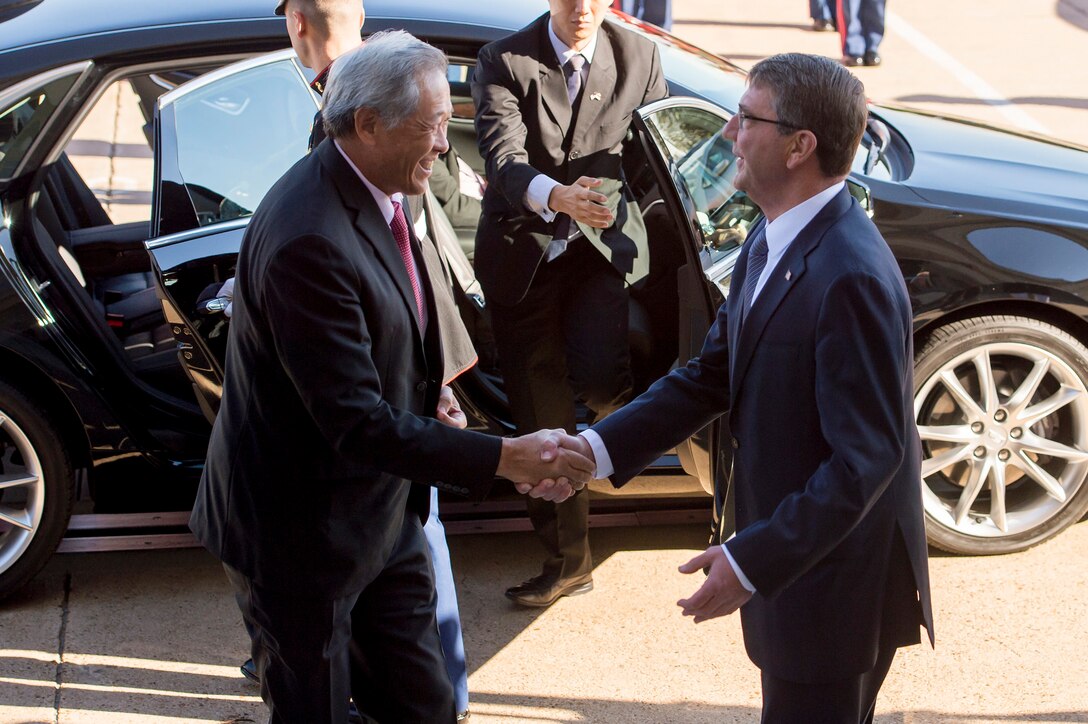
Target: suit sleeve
point(321, 338)
point(861, 365)
point(500, 128)
point(674, 408)
point(656, 86)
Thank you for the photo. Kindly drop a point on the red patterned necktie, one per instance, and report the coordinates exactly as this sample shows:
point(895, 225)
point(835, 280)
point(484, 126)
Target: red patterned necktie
point(399, 226)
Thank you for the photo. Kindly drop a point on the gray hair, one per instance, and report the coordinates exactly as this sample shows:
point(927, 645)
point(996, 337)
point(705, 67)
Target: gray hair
point(383, 75)
point(818, 95)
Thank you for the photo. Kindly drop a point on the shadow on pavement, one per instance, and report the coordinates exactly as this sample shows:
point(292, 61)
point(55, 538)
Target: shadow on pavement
point(500, 707)
point(1074, 12)
point(744, 24)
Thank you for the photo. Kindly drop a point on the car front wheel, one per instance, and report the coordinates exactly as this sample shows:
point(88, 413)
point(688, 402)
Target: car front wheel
point(35, 489)
point(1001, 404)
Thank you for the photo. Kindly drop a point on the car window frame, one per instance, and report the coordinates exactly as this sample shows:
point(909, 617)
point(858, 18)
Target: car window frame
point(81, 70)
point(166, 165)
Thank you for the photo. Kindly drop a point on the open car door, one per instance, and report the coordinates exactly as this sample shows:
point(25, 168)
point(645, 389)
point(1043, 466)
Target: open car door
point(221, 141)
point(683, 141)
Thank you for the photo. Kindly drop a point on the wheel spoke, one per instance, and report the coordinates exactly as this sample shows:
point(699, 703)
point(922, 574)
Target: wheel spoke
point(1064, 396)
point(948, 457)
point(947, 433)
point(986, 384)
point(18, 482)
point(1029, 386)
point(979, 472)
point(18, 518)
point(966, 402)
point(1052, 487)
point(997, 497)
point(1041, 445)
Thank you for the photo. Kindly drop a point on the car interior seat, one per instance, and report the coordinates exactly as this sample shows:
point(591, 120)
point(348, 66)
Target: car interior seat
point(110, 262)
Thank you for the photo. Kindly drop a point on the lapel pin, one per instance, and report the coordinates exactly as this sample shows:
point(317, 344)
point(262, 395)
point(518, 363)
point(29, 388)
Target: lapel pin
point(594, 96)
point(788, 274)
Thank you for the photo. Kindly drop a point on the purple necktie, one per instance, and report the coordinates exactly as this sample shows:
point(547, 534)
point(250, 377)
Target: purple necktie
point(573, 70)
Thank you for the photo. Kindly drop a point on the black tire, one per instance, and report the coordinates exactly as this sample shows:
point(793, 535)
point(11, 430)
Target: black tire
point(33, 456)
point(1005, 471)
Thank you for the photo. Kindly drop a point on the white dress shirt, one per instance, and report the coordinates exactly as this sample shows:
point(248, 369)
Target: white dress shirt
point(780, 234)
point(540, 188)
point(385, 205)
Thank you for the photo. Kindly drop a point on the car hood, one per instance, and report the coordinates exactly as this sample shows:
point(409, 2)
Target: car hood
point(979, 168)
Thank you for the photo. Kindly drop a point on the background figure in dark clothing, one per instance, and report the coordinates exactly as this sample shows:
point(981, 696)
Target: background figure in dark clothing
point(823, 13)
point(861, 28)
point(557, 243)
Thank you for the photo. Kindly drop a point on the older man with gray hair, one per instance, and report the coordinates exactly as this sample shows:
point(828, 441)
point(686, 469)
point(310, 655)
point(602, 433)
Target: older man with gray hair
point(315, 487)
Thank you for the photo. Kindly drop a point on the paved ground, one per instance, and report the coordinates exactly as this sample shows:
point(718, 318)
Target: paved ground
point(1018, 64)
point(154, 637)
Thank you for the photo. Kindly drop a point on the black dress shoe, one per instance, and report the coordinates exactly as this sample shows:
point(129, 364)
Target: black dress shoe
point(871, 58)
point(823, 26)
point(851, 61)
point(541, 591)
point(249, 670)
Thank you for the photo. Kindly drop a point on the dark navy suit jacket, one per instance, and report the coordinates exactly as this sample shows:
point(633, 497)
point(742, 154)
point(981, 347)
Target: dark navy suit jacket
point(818, 386)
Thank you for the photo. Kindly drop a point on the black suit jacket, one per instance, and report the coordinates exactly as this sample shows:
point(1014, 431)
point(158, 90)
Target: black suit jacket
point(458, 351)
point(523, 125)
point(328, 381)
point(818, 385)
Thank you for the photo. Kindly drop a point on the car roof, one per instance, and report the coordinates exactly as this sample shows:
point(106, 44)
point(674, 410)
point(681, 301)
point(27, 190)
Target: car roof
point(51, 21)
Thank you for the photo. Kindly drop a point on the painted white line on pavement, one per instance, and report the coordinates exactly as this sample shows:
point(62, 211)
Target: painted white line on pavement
point(985, 92)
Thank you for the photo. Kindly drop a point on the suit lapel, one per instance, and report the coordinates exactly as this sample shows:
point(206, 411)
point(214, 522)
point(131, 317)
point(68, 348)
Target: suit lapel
point(599, 85)
point(553, 84)
point(371, 225)
point(784, 277)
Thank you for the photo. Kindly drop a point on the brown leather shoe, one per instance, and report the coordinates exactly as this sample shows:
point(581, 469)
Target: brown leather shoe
point(541, 591)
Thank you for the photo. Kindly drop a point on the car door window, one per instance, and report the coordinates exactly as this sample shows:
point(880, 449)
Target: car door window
point(229, 138)
point(701, 162)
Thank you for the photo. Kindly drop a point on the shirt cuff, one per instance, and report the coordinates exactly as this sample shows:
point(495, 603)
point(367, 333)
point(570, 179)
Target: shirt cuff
point(736, 569)
point(600, 454)
point(536, 196)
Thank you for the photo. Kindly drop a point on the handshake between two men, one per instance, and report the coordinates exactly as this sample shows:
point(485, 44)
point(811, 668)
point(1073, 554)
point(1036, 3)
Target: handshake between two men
point(548, 464)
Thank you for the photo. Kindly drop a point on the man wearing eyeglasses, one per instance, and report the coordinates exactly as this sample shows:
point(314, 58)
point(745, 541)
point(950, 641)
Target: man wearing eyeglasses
point(811, 359)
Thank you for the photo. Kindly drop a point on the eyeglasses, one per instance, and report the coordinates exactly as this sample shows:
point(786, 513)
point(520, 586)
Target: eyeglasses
point(743, 119)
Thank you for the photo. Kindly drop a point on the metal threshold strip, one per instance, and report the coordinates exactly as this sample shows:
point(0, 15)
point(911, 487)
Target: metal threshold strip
point(155, 531)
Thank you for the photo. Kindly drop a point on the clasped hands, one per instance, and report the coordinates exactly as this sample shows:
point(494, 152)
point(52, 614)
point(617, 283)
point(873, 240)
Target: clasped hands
point(548, 464)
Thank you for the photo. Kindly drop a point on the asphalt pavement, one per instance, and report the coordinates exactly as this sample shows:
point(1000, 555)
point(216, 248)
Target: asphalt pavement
point(154, 637)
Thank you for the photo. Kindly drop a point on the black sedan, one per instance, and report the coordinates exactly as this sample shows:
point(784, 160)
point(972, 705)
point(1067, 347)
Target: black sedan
point(990, 228)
